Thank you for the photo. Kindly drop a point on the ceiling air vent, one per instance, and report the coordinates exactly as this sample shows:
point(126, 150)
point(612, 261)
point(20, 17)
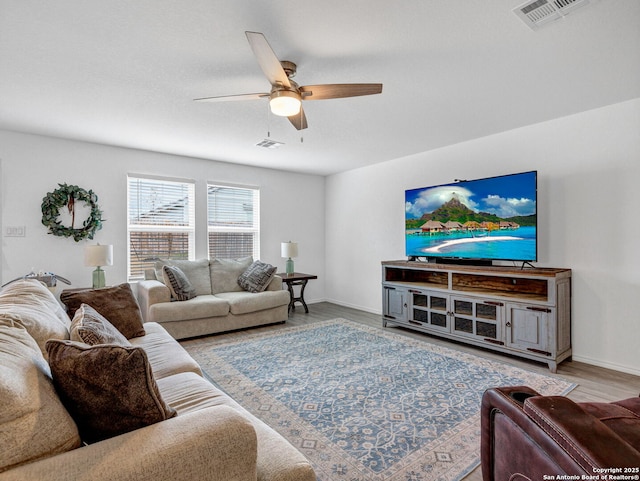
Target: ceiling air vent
point(269, 144)
point(536, 13)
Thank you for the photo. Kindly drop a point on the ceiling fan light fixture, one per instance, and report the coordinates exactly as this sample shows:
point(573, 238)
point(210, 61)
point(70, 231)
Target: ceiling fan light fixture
point(285, 103)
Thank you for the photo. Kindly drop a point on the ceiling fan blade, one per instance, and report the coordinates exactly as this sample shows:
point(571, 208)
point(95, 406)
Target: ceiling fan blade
point(299, 121)
point(338, 91)
point(226, 98)
point(267, 59)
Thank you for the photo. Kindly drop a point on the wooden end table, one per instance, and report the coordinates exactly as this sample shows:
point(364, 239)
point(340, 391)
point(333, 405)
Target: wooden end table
point(296, 279)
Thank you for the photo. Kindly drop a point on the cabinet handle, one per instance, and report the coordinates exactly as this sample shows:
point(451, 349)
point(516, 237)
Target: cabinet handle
point(493, 303)
point(413, 291)
point(508, 324)
point(539, 351)
point(539, 309)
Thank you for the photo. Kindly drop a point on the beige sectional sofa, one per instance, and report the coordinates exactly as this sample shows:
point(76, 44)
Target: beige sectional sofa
point(220, 305)
point(211, 438)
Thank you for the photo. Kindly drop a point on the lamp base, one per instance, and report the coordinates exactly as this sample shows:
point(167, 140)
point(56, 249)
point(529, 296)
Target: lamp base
point(98, 278)
point(289, 266)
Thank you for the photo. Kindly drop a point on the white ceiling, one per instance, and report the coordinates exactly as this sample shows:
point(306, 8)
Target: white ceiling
point(123, 72)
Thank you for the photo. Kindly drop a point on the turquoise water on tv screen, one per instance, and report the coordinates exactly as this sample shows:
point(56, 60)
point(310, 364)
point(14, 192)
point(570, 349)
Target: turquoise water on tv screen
point(508, 244)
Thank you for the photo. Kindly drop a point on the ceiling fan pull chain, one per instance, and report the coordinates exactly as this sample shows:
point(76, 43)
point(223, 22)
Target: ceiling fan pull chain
point(268, 122)
point(301, 135)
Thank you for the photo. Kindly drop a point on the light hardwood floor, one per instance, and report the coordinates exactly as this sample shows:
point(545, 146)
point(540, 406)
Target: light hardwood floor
point(595, 384)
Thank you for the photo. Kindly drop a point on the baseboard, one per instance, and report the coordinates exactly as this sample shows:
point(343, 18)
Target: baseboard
point(354, 306)
point(314, 301)
point(607, 365)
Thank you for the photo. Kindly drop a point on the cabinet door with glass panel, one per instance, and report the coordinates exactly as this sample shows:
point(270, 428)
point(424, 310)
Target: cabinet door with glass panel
point(477, 318)
point(429, 309)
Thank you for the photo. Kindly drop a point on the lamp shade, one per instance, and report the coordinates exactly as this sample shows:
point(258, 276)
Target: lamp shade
point(289, 249)
point(98, 255)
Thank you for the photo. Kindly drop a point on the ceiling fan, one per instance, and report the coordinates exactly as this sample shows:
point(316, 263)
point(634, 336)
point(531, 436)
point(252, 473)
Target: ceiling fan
point(286, 96)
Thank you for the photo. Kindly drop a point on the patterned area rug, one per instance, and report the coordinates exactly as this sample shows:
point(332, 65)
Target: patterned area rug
point(365, 404)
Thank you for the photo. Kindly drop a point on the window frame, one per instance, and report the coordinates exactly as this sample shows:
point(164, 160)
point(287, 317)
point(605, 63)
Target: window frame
point(189, 228)
point(253, 229)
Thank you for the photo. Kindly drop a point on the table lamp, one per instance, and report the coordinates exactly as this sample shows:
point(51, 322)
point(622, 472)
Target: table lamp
point(98, 256)
point(289, 250)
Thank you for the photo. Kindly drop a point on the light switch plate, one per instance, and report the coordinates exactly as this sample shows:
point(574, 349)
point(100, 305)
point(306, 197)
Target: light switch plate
point(15, 231)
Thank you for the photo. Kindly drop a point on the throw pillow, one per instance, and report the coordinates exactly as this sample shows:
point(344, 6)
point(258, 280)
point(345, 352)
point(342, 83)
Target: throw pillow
point(180, 287)
point(117, 304)
point(107, 389)
point(90, 327)
point(257, 277)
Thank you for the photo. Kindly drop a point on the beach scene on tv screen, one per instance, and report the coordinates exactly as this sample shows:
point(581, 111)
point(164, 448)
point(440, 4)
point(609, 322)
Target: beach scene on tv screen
point(493, 218)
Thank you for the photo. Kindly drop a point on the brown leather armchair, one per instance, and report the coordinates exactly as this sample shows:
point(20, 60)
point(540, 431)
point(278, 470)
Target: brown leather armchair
point(526, 436)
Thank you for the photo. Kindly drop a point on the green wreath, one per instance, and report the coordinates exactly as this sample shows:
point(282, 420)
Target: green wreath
point(67, 196)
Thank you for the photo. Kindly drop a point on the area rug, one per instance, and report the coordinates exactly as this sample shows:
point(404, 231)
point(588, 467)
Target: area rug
point(362, 403)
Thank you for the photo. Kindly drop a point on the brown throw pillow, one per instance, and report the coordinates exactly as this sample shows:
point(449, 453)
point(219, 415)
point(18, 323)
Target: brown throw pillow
point(90, 327)
point(117, 304)
point(107, 389)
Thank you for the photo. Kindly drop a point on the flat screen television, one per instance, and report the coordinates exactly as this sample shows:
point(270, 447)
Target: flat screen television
point(477, 221)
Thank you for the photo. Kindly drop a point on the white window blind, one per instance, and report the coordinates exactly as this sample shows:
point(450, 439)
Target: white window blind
point(233, 221)
point(161, 222)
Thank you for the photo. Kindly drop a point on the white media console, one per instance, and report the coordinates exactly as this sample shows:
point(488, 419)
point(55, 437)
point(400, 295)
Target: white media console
point(523, 312)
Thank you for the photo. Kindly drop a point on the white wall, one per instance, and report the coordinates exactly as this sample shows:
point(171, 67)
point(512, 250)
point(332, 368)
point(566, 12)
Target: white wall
point(291, 205)
point(588, 198)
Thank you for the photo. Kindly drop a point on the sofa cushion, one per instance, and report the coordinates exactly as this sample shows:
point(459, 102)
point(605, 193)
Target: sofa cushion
point(90, 327)
point(28, 303)
point(103, 401)
point(225, 274)
point(197, 308)
point(180, 287)
point(196, 271)
point(117, 304)
point(257, 277)
point(33, 422)
point(244, 302)
point(277, 458)
point(187, 393)
point(166, 356)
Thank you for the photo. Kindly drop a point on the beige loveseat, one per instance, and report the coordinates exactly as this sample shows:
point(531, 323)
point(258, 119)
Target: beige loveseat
point(211, 438)
point(220, 305)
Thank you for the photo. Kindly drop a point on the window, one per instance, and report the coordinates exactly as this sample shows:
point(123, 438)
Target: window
point(161, 222)
point(234, 221)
